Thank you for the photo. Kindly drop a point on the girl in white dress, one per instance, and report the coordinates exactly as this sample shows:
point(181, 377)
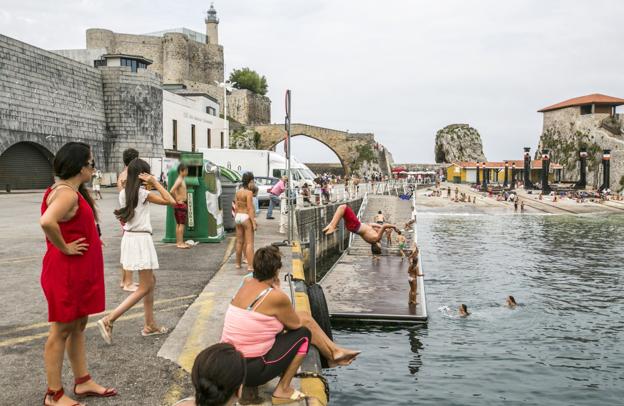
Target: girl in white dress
point(137, 247)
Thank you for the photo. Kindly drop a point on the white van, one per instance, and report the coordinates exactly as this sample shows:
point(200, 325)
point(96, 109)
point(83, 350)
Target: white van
point(260, 163)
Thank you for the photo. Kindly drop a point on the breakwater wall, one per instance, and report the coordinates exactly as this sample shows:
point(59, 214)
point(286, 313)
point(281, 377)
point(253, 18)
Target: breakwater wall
point(319, 250)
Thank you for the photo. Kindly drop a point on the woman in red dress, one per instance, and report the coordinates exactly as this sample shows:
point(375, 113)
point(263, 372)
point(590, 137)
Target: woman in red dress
point(72, 277)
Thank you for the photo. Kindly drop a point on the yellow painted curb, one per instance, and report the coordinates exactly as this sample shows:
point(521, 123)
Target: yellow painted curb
point(312, 386)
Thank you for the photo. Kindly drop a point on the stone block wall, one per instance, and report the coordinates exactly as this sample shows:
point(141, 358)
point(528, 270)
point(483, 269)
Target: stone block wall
point(48, 99)
point(565, 130)
point(175, 57)
point(249, 108)
point(134, 116)
point(147, 46)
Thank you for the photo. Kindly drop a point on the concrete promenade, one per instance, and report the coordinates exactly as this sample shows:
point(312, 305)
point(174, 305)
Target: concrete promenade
point(202, 323)
point(131, 364)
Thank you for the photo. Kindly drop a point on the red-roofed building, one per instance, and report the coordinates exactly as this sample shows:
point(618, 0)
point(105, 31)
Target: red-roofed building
point(589, 121)
point(591, 104)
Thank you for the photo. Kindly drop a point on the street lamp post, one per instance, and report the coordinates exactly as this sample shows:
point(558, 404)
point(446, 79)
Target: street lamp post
point(227, 86)
point(582, 183)
point(545, 169)
point(506, 175)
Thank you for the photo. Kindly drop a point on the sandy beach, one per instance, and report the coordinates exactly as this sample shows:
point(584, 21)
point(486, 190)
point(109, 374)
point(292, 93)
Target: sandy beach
point(485, 204)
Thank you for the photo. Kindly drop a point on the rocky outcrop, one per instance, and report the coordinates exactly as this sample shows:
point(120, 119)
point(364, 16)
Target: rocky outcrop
point(244, 138)
point(458, 142)
point(565, 132)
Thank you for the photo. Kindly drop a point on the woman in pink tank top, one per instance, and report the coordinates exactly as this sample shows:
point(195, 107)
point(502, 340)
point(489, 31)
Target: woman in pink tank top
point(255, 322)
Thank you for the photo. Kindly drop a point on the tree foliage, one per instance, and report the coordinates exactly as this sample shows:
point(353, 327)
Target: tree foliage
point(246, 78)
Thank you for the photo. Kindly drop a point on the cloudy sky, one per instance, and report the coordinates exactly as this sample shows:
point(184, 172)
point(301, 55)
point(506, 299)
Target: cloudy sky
point(398, 68)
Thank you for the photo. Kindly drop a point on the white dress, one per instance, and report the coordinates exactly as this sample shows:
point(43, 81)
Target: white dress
point(137, 247)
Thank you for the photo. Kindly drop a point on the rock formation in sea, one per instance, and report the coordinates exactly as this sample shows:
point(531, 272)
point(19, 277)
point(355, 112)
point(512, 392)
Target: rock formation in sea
point(458, 142)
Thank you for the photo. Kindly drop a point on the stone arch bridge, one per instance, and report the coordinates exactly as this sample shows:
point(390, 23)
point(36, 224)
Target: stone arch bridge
point(357, 152)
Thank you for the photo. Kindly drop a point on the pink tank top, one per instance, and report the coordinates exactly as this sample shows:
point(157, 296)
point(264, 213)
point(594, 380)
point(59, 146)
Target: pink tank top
point(252, 333)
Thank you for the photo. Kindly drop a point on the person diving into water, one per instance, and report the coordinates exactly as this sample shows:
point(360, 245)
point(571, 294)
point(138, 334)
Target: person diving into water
point(371, 233)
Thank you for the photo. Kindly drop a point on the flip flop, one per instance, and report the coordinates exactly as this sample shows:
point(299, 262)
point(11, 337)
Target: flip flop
point(295, 397)
point(159, 331)
point(106, 335)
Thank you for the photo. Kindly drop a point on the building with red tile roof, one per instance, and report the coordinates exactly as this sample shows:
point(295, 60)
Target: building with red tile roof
point(591, 103)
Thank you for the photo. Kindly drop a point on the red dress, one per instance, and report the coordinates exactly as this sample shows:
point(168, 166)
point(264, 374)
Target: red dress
point(74, 284)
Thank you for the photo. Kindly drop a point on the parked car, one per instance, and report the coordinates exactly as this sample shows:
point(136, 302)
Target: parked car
point(264, 184)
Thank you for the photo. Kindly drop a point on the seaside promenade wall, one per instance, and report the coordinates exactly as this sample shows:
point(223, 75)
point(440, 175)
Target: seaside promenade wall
point(310, 223)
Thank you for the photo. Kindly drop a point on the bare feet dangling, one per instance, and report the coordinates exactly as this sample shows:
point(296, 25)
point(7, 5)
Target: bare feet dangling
point(343, 357)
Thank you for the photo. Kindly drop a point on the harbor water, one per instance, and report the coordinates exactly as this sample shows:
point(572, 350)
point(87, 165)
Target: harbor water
point(564, 344)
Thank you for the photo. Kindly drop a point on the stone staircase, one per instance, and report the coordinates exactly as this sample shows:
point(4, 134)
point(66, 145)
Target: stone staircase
point(396, 211)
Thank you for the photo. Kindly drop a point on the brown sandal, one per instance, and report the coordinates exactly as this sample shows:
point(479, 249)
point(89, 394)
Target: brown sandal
point(56, 395)
point(108, 392)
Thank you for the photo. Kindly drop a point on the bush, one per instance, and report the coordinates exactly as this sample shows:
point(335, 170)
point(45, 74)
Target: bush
point(246, 78)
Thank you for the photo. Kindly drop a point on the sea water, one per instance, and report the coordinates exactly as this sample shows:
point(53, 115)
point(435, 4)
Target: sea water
point(563, 345)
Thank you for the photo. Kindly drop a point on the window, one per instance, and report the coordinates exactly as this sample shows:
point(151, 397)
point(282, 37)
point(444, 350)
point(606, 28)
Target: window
point(193, 137)
point(211, 110)
point(133, 64)
point(222, 143)
point(208, 136)
point(175, 135)
point(587, 109)
point(99, 62)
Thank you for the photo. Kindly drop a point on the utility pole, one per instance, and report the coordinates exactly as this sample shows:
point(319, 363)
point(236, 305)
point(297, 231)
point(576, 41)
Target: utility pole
point(227, 86)
point(289, 189)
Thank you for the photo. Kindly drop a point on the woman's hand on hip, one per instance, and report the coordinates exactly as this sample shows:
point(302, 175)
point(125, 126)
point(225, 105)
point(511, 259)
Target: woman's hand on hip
point(76, 247)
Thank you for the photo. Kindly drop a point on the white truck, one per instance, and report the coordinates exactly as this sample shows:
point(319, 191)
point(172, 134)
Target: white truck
point(260, 163)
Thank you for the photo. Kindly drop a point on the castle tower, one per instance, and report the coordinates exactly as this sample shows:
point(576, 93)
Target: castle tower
point(212, 26)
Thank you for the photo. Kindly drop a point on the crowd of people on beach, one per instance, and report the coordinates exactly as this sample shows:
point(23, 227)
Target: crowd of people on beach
point(263, 336)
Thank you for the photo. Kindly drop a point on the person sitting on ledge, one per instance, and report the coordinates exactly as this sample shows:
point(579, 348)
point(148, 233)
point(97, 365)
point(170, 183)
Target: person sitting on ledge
point(255, 322)
point(218, 374)
point(371, 233)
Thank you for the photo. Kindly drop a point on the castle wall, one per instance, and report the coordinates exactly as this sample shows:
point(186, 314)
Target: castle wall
point(175, 57)
point(48, 99)
point(565, 130)
point(147, 46)
point(133, 103)
point(249, 108)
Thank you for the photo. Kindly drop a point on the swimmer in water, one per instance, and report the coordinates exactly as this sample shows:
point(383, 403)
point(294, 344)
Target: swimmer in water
point(511, 302)
point(463, 310)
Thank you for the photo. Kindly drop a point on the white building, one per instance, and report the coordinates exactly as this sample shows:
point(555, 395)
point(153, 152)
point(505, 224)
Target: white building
point(191, 121)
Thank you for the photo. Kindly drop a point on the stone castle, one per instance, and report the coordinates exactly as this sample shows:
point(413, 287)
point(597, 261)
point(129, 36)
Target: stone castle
point(181, 57)
point(108, 95)
point(48, 100)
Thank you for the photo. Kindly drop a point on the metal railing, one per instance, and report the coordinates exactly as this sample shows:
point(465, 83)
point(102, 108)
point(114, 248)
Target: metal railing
point(420, 279)
point(309, 225)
